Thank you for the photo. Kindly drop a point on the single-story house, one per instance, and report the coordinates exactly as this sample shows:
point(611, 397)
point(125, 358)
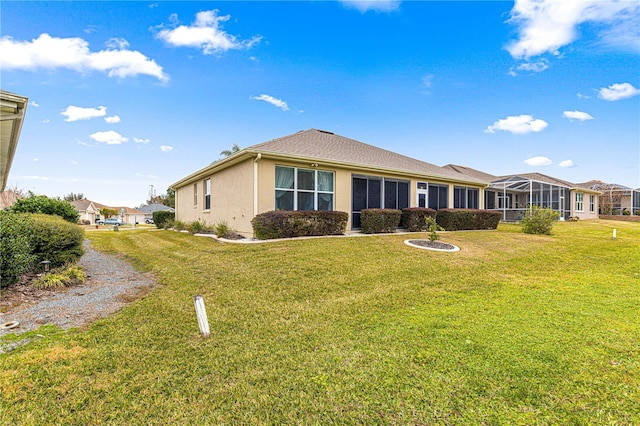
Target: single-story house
point(90, 210)
point(12, 111)
point(514, 194)
point(318, 170)
point(615, 198)
point(154, 207)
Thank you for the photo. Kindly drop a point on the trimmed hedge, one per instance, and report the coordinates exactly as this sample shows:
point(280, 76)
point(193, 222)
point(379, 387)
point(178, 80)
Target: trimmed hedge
point(16, 257)
point(414, 219)
point(375, 221)
point(163, 216)
point(45, 205)
point(467, 219)
point(56, 240)
point(289, 224)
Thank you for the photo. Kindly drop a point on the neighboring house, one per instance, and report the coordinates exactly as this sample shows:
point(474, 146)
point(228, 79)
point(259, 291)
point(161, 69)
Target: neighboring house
point(12, 112)
point(614, 198)
point(155, 207)
point(318, 170)
point(515, 194)
point(88, 210)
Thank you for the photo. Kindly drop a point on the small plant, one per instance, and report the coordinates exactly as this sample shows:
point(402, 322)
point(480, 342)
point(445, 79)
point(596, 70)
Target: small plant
point(178, 225)
point(433, 228)
point(539, 220)
point(64, 277)
point(222, 229)
point(197, 227)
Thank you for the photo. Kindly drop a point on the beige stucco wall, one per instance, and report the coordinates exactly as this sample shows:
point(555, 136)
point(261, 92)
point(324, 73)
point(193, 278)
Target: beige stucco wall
point(231, 199)
point(586, 212)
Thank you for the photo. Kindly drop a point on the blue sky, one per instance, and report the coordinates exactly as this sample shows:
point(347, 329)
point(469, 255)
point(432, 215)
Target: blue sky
point(125, 95)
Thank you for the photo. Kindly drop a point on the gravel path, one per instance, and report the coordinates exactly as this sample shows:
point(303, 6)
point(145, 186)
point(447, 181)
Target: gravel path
point(111, 284)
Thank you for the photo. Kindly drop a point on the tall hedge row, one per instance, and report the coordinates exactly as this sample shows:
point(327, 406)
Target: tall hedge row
point(288, 224)
point(375, 221)
point(27, 239)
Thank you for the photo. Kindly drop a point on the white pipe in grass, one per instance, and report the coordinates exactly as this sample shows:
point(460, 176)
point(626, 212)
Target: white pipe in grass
point(201, 313)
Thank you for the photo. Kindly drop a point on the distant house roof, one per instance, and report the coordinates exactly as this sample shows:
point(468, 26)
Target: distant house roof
point(320, 146)
point(12, 110)
point(599, 185)
point(155, 207)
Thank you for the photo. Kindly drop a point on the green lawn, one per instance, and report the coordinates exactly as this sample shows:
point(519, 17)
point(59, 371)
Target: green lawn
point(513, 329)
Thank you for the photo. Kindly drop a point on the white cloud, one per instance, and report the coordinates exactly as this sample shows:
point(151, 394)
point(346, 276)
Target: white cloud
point(566, 163)
point(35, 160)
point(518, 124)
point(112, 120)
point(73, 162)
point(581, 96)
point(615, 92)
point(538, 161)
point(538, 66)
point(375, 5)
point(577, 115)
point(139, 140)
point(117, 43)
point(73, 53)
point(109, 137)
point(544, 26)
point(34, 104)
point(46, 120)
point(273, 101)
point(205, 33)
point(166, 148)
point(75, 113)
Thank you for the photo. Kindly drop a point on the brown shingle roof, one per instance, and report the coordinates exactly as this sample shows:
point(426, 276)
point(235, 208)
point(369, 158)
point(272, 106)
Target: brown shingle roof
point(468, 171)
point(321, 145)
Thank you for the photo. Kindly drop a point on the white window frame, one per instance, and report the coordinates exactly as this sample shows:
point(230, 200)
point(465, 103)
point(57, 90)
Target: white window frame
point(592, 203)
point(195, 194)
point(315, 191)
point(579, 202)
point(206, 186)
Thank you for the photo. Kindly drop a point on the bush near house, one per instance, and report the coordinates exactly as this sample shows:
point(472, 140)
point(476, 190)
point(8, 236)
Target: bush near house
point(375, 221)
point(468, 219)
point(56, 240)
point(49, 206)
point(27, 239)
point(538, 220)
point(163, 216)
point(414, 219)
point(16, 257)
point(288, 224)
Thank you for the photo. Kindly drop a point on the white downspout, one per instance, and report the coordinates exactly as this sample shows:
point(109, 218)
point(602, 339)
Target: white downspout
point(255, 184)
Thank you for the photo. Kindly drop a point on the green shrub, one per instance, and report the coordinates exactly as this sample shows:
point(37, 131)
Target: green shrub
point(198, 227)
point(223, 230)
point(289, 224)
point(56, 240)
point(163, 216)
point(414, 219)
point(16, 255)
point(49, 206)
point(179, 225)
point(539, 220)
point(468, 219)
point(375, 221)
point(433, 228)
point(68, 276)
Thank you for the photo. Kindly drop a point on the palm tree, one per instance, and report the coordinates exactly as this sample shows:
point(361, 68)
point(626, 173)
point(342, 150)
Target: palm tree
point(229, 152)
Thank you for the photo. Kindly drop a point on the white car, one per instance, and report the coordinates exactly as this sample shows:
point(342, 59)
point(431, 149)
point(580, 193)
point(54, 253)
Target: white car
point(110, 221)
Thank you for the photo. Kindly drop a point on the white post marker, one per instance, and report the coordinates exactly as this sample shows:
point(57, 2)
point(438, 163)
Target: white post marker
point(614, 233)
point(201, 313)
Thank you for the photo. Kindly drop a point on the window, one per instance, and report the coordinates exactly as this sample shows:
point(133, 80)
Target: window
point(421, 191)
point(465, 198)
point(372, 192)
point(195, 194)
point(579, 202)
point(303, 189)
point(207, 194)
point(438, 196)
point(592, 203)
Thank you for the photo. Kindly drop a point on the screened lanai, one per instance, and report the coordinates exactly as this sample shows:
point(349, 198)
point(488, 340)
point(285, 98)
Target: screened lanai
point(514, 195)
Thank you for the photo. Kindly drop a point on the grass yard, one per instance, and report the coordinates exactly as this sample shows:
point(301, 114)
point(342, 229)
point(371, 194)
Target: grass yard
point(513, 329)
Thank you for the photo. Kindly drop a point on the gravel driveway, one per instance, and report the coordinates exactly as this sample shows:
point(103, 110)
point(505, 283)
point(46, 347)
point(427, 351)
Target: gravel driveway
point(111, 284)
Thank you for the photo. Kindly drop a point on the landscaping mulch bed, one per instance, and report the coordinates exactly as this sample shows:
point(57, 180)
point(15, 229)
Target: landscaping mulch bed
point(432, 245)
